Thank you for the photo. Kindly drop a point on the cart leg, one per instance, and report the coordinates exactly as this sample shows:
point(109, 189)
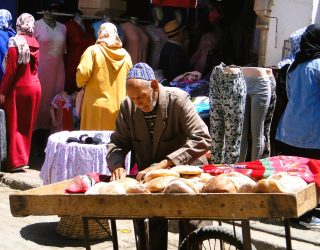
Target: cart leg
point(288, 233)
point(86, 232)
point(146, 231)
point(246, 236)
point(114, 234)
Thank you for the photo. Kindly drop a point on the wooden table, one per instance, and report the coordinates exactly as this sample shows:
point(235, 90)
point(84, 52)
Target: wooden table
point(51, 200)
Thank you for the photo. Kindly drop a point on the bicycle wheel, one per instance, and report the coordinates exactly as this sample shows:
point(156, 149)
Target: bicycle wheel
point(212, 237)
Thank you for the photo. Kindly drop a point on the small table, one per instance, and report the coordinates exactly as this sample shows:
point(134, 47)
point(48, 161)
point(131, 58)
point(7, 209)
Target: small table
point(66, 160)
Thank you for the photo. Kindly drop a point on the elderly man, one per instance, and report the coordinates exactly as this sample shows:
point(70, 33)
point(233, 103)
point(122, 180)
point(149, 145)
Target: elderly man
point(160, 125)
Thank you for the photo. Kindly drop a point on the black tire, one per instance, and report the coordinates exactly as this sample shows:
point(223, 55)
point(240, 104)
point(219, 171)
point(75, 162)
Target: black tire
point(209, 236)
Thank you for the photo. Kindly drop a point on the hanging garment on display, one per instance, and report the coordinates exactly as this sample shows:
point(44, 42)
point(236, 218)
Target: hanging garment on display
point(257, 104)
point(52, 41)
point(157, 40)
point(227, 94)
point(78, 39)
point(198, 60)
point(136, 42)
point(270, 135)
point(176, 3)
point(61, 112)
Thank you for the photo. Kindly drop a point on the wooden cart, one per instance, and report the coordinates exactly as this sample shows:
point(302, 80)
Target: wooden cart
point(51, 200)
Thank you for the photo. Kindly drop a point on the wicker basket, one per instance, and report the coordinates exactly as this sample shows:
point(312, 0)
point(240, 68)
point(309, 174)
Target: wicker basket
point(71, 227)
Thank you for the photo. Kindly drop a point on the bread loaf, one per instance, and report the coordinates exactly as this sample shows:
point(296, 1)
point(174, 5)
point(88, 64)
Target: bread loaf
point(281, 183)
point(178, 186)
point(204, 177)
point(127, 181)
point(218, 184)
point(112, 187)
point(243, 183)
point(195, 177)
point(137, 188)
point(159, 183)
point(187, 170)
point(159, 172)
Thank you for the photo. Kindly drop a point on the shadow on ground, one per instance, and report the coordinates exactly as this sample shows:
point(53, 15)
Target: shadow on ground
point(45, 234)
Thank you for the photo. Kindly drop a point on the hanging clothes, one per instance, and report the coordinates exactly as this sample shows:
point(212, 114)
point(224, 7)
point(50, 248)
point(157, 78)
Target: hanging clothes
point(136, 42)
point(175, 3)
point(157, 40)
point(77, 41)
point(52, 43)
point(269, 134)
point(62, 108)
point(227, 95)
point(198, 60)
point(257, 105)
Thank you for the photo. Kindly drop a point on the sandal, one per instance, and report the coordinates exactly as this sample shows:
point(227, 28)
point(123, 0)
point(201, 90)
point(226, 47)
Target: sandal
point(18, 169)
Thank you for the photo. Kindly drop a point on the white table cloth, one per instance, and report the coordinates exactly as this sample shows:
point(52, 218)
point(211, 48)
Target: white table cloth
point(66, 160)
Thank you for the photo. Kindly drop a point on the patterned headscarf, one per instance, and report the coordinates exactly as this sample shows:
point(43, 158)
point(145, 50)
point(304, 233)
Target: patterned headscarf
point(108, 34)
point(25, 26)
point(141, 71)
point(294, 41)
point(5, 19)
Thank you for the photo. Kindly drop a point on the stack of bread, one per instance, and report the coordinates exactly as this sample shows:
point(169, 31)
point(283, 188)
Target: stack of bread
point(281, 182)
point(233, 182)
point(123, 186)
point(191, 179)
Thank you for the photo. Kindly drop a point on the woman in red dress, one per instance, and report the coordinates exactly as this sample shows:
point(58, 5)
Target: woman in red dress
point(20, 92)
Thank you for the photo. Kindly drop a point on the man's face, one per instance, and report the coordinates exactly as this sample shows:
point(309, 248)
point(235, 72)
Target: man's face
point(142, 95)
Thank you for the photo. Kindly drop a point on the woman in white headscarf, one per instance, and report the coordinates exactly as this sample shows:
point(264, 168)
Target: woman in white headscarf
point(5, 33)
point(20, 92)
point(102, 71)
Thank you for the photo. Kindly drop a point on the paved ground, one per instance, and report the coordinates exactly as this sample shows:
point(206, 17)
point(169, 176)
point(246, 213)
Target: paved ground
point(39, 232)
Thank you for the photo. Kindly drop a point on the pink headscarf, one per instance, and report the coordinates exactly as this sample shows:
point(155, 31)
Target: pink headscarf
point(25, 26)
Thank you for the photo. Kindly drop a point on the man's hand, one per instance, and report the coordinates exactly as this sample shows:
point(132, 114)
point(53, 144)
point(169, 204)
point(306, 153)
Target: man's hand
point(118, 173)
point(159, 165)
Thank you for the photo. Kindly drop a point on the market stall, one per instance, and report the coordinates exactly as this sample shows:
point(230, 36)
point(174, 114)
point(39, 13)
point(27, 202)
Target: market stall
point(52, 200)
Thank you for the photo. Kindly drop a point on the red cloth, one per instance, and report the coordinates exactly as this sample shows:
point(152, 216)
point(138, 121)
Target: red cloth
point(77, 42)
point(176, 3)
point(81, 183)
point(21, 87)
point(307, 169)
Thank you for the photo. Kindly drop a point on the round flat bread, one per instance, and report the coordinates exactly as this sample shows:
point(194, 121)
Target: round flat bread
point(243, 183)
point(178, 186)
point(187, 169)
point(204, 177)
point(159, 183)
point(219, 185)
point(159, 172)
point(112, 187)
point(281, 183)
point(136, 188)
